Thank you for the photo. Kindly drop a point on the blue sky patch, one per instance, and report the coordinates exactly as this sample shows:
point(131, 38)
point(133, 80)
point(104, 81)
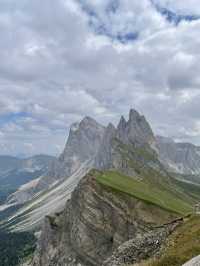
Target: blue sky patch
point(172, 16)
point(100, 27)
point(11, 117)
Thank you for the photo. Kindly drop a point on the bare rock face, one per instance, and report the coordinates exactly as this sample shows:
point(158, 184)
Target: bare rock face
point(131, 134)
point(136, 130)
point(104, 156)
point(194, 262)
point(132, 141)
point(95, 222)
point(183, 158)
point(141, 247)
point(82, 145)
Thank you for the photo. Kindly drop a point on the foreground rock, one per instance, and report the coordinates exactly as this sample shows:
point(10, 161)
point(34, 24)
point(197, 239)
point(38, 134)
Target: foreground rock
point(95, 222)
point(194, 262)
point(142, 247)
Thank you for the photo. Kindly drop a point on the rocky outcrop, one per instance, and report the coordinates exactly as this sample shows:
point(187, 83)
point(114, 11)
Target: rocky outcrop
point(193, 262)
point(142, 247)
point(95, 222)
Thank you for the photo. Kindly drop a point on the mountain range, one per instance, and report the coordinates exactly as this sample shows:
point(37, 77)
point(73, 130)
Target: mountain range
point(182, 158)
point(16, 173)
point(130, 148)
point(140, 181)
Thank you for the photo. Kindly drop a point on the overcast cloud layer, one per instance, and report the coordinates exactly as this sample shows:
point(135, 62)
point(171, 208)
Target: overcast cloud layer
point(64, 59)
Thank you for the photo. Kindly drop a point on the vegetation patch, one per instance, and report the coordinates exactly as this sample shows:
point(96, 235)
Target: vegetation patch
point(15, 247)
point(145, 191)
point(182, 245)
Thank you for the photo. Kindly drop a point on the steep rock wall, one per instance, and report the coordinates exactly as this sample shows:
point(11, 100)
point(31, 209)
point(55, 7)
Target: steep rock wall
point(95, 222)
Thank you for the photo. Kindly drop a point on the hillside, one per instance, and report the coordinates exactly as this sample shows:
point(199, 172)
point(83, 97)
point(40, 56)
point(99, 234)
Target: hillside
point(88, 213)
point(128, 149)
point(151, 193)
point(181, 246)
point(95, 221)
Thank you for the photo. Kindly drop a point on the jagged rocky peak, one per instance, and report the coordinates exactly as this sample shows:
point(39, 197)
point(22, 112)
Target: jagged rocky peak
point(135, 130)
point(122, 124)
point(82, 145)
point(134, 115)
point(84, 139)
point(86, 122)
point(139, 128)
point(85, 125)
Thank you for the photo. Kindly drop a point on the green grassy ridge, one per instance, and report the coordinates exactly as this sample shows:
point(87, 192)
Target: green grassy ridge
point(145, 191)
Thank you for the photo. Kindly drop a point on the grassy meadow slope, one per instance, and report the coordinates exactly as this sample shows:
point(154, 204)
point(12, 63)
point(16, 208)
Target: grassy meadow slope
point(152, 193)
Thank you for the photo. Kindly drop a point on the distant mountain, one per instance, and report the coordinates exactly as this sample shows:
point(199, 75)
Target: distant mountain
point(8, 163)
point(130, 148)
point(16, 172)
point(132, 192)
point(57, 183)
point(182, 158)
point(131, 203)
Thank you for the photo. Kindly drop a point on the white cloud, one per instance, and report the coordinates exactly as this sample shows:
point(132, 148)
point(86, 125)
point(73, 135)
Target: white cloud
point(181, 6)
point(55, 71)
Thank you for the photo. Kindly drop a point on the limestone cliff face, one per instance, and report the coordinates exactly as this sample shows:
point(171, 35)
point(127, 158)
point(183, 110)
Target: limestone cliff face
point(136, 130)
point(129, 148)
point(134, 133)
point(95, 222)
point(82, 145)
point(183, 158)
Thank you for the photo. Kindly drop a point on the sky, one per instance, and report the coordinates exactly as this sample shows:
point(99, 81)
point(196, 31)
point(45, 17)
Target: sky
point(62, 60)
